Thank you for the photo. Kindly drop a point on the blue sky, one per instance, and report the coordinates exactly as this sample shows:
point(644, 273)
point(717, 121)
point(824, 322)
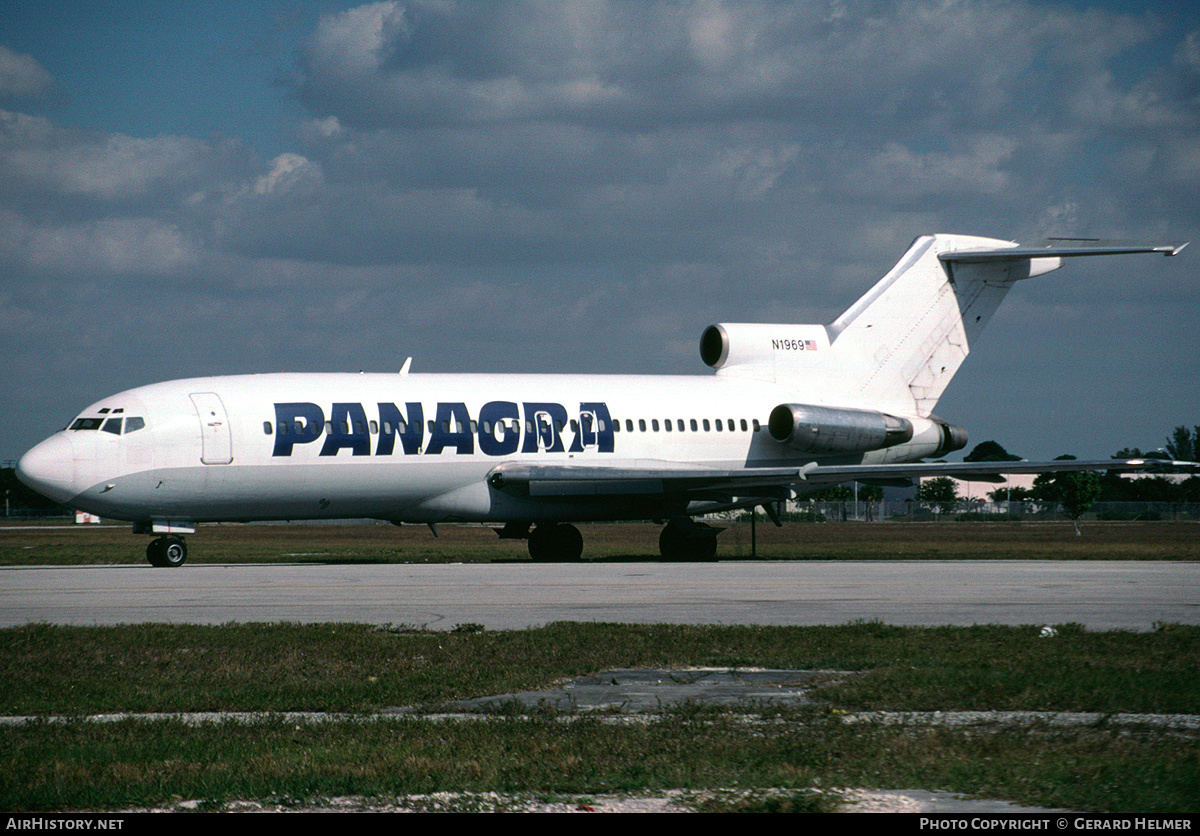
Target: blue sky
point(203, 188)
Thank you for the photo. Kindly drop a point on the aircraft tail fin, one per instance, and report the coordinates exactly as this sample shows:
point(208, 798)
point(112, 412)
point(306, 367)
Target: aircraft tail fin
point(898, 346)
point(910, 333)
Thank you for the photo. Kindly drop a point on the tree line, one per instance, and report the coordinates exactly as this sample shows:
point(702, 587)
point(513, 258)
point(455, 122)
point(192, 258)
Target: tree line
point(1076, 493)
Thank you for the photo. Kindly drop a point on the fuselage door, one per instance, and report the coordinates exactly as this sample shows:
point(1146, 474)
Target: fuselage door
point(587, 429)
point(214, 428)
point(543, 423)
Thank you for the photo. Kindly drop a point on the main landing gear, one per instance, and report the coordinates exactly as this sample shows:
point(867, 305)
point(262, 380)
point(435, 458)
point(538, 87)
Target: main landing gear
point(690, 541)
point(555, 542)
point(681, 540)
point(167, 551)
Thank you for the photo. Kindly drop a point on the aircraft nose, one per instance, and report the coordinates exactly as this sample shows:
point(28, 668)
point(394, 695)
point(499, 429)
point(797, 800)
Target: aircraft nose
point(49, 468)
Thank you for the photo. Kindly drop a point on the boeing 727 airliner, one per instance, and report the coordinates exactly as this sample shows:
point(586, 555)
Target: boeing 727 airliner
point(789, 409)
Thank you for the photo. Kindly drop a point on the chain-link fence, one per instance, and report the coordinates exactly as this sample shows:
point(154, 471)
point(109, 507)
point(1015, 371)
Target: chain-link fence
point(969, 511)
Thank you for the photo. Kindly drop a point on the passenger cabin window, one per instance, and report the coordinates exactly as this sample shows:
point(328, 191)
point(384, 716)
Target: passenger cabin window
point(266, 427)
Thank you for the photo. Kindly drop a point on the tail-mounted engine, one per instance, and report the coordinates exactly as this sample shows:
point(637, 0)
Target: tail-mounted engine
point(823, 430)
point(730, 345)
point(952, 438)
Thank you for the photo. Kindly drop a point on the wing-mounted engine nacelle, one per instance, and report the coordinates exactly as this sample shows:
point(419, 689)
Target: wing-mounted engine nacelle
point(825, 430)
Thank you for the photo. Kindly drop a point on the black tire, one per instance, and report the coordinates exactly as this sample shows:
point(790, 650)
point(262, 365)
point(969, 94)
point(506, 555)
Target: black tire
point(568, 543)
point(678, 543)
point(175, 553)
point(549, 543)
point(154, 551)
point(166, 552)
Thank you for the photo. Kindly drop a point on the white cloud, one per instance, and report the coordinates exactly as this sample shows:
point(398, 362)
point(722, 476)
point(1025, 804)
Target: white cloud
point(900, 172)
point(99, 249)
point(359, 40)
point(111, 167)
point(1187, 55)
point(22, 77)
point(290, 173)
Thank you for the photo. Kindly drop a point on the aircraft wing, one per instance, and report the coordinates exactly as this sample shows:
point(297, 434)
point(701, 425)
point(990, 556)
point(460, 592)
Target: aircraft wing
point(653, 478)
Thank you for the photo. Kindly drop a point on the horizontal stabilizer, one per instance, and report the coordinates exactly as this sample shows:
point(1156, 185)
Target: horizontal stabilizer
point(1063, 248)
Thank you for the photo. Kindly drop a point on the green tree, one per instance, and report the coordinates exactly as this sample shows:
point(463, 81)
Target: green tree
point(870, 493)
point(990, 451)
point(834, 493)
point(1189, 489)
point(1013, 494)
point(941, 493)
point(1183, 444)
point(1077, 492)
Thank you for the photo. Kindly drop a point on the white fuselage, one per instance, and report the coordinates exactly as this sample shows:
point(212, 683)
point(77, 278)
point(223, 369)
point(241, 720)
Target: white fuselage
point(789, 408)
point(404, 447)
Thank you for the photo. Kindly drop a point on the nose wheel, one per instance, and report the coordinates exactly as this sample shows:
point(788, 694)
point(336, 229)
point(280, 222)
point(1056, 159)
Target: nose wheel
point(167, 551)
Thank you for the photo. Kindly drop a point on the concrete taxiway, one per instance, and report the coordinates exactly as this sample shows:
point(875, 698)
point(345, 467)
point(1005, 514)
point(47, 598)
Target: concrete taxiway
point(1100, 595)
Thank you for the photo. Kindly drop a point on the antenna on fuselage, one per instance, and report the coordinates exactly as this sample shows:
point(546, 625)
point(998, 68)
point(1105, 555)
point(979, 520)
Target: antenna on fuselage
point(404, 368)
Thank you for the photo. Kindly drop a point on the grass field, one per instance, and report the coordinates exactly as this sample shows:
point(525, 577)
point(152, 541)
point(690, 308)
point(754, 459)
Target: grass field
point(358, 668)
point(802, 752)
point(232, 543)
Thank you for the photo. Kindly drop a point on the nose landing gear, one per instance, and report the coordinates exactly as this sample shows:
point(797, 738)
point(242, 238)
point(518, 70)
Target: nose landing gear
point(166, 551)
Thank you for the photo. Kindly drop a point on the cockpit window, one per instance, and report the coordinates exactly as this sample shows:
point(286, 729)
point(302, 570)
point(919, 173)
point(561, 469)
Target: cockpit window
point(109, 425)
